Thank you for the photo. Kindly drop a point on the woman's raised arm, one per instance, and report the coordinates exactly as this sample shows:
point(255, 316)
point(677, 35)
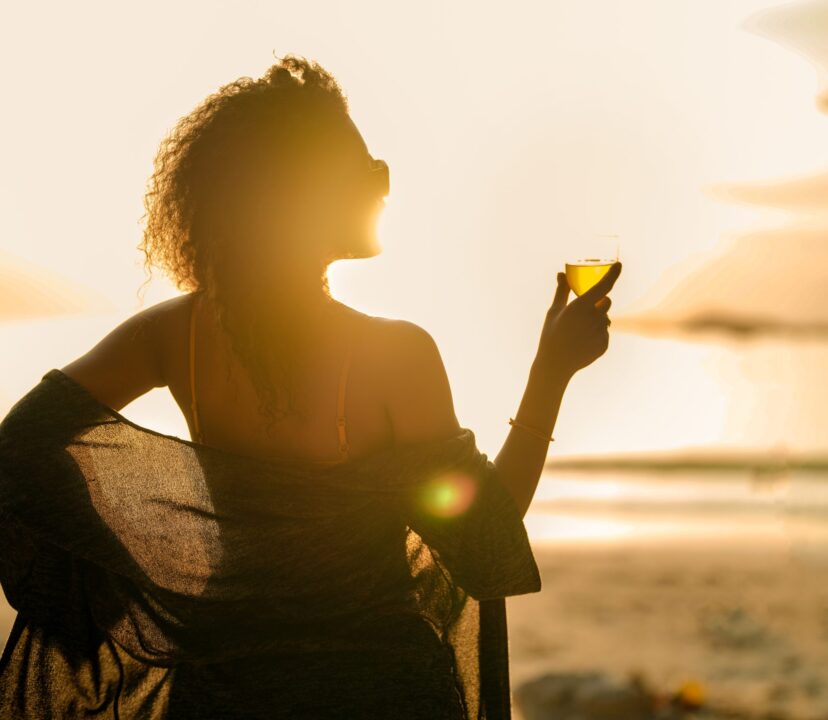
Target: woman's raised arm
point(418, 395)
point(573, 336)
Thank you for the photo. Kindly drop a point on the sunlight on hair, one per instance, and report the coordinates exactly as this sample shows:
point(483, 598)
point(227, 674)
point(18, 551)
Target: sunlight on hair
point(448, 494)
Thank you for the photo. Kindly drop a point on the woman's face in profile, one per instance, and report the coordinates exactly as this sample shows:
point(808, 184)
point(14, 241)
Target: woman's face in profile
point(336, 201)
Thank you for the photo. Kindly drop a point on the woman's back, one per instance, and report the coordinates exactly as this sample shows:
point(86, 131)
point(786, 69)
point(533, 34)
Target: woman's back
point(342, 376)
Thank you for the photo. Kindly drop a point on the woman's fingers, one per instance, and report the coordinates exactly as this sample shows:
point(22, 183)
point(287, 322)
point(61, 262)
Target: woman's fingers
point(603, 286)
point(596, 329)
point(602, 321)
point(561, 294)
point(603, 304)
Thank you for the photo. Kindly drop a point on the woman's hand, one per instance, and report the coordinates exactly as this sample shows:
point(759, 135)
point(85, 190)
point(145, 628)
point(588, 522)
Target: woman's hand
point(575, 334)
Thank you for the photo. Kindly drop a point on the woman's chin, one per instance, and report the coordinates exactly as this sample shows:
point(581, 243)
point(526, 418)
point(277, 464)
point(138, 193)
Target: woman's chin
point(363, 248)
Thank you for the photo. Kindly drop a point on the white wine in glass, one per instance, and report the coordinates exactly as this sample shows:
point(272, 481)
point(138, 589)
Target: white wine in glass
point(584, 271)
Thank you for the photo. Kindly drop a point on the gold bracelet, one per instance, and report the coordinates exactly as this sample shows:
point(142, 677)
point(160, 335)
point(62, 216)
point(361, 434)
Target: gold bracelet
point(532, 430)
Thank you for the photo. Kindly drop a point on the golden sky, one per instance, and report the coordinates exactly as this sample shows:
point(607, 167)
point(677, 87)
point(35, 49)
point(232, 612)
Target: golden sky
point(513, 131)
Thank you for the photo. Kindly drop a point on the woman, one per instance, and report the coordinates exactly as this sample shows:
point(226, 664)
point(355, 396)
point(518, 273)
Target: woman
point(257, 250)
point(254, 194)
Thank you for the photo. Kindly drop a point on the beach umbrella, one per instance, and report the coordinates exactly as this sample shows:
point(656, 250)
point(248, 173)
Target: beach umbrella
point(803, 28)
point(768, 281)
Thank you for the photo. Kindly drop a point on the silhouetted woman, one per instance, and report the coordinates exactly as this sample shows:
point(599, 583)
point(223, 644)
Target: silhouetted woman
point(254, 194)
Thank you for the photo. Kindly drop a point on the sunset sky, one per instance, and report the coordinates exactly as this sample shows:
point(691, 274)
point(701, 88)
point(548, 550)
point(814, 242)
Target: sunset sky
point(513, 132)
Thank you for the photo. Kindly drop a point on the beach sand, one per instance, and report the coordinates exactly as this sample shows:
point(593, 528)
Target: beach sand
point(748, 622)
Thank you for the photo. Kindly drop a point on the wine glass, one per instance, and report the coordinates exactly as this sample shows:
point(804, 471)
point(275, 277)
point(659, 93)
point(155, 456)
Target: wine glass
point(591, 261)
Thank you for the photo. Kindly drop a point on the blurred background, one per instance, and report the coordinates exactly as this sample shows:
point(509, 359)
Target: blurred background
point(680, 524)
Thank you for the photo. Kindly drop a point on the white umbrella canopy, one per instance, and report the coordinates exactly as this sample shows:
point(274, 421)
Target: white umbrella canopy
point(29, 291)
point(803, 28)
point(769, 280)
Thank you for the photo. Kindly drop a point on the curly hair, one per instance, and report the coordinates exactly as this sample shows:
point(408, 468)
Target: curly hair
point(210, 172)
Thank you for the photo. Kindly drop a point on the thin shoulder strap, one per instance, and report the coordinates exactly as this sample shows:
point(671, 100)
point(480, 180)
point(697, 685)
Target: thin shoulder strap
point(193, 402)
point(340, 404)
point(344, 447)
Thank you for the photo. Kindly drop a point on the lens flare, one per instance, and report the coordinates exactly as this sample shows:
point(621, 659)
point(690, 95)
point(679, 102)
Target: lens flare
point(448, 494)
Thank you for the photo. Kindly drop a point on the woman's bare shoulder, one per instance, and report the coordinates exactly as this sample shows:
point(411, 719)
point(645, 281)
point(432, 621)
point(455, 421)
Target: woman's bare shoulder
point(399, 346)
point(393, 331)
point(173, 317)
point(412, 376)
